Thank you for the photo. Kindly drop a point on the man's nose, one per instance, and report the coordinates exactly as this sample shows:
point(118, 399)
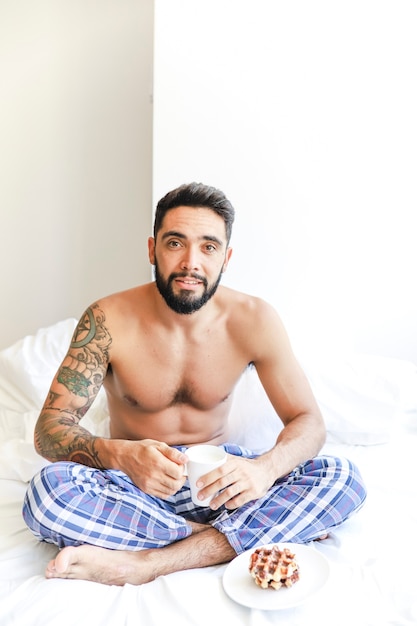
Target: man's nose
point(190, 260)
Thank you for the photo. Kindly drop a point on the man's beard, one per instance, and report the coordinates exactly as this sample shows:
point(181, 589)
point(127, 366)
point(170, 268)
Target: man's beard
point(186, 301)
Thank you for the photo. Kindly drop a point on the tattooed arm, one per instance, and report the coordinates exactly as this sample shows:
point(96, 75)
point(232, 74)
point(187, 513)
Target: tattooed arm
point(58, 434)
point(153, 465)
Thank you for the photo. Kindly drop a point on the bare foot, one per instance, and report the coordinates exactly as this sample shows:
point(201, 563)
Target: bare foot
point(111, 567)
point(204, 547)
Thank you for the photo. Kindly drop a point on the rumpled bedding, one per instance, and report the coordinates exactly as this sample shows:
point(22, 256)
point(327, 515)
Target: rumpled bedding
point(370, 408)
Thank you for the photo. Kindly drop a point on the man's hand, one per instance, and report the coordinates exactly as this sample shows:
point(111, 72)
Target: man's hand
point(239, 479)
point(153, 466)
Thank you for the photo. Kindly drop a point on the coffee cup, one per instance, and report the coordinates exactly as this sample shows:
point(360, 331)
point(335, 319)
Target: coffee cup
point(202, 459)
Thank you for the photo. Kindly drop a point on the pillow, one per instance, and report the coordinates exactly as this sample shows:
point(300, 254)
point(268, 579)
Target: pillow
point(362, 397)
point(253, 422)
point(28, 366)
point(18, 458)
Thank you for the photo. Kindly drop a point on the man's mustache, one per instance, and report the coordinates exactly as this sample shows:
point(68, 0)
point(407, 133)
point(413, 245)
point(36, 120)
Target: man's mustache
point(192, 275)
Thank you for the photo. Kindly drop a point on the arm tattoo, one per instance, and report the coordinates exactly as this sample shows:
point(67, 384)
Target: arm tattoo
point(61, 438)
point(89, 351)
point(85, 365)
point(74, 381)
point(58, 434)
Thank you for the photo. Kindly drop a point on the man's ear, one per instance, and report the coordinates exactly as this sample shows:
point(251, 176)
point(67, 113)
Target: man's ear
point(151, 250)
point(229, 253)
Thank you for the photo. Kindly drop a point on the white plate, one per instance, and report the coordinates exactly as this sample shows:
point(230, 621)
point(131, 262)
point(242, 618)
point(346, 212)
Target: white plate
point(241, 587)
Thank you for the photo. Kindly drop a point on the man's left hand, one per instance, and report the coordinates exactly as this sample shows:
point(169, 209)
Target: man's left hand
point(239, 480)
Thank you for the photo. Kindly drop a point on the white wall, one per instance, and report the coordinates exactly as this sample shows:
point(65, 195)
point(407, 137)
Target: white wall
point(304, 113)
point(75, 155)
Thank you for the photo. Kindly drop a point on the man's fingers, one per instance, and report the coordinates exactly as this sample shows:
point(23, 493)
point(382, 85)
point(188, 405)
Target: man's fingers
point(174, 455)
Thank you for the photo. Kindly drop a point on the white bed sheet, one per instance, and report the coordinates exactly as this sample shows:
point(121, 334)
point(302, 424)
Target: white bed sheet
point(372, 556)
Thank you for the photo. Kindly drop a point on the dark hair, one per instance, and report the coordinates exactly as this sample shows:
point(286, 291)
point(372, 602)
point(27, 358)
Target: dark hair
point(196, 195)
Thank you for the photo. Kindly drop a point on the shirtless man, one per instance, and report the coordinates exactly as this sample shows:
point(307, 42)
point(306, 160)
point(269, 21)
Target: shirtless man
point(169, 354)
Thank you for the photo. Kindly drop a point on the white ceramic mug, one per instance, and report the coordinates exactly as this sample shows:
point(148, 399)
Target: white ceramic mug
point(202, 459)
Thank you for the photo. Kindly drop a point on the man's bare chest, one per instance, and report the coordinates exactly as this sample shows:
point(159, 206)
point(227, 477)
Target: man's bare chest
point(156, 380)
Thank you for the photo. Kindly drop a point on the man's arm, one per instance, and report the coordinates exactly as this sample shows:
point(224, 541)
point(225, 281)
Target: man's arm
point(153, 465)
point(289, 391)
point(58, 434)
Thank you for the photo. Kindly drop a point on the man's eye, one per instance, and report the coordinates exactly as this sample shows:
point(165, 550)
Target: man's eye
point(174, 244)
point(211, 248)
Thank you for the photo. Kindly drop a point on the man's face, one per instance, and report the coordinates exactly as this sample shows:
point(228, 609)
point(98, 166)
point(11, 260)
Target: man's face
point(189, 254)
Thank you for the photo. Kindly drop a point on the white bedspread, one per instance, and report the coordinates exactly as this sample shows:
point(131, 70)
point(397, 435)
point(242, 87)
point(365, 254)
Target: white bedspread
point(370, 407)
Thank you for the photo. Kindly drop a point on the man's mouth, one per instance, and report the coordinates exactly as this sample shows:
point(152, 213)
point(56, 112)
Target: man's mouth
point(188, 281)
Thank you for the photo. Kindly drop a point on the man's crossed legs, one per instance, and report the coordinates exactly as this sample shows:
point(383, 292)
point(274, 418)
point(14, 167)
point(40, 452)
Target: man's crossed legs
point(112, 532)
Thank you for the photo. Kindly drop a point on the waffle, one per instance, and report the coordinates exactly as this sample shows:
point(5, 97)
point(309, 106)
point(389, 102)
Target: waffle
point(273, 567)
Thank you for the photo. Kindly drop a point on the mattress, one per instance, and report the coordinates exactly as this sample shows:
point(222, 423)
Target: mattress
point(370, 407)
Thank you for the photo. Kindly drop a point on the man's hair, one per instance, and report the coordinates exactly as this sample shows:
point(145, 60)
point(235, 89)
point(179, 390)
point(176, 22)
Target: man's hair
point(199, 196)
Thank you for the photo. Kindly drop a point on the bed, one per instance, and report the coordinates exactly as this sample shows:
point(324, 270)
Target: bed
point(370, 407)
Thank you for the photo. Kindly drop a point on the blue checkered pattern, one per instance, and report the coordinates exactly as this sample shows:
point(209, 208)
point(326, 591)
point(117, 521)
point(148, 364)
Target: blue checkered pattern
point(70, 504)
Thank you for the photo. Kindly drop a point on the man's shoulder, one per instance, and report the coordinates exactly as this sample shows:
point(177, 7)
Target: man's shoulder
point(119, 305)
point(232, 296)
point(246, 307)
point(133, 294)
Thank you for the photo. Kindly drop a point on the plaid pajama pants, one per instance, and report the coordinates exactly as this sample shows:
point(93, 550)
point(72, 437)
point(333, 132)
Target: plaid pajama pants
point(71, 504)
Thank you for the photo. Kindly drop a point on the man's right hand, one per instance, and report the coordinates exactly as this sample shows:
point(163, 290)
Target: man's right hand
point(153, 466)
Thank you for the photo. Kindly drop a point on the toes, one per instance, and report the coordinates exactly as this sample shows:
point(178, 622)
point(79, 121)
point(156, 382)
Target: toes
point(50, 570)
